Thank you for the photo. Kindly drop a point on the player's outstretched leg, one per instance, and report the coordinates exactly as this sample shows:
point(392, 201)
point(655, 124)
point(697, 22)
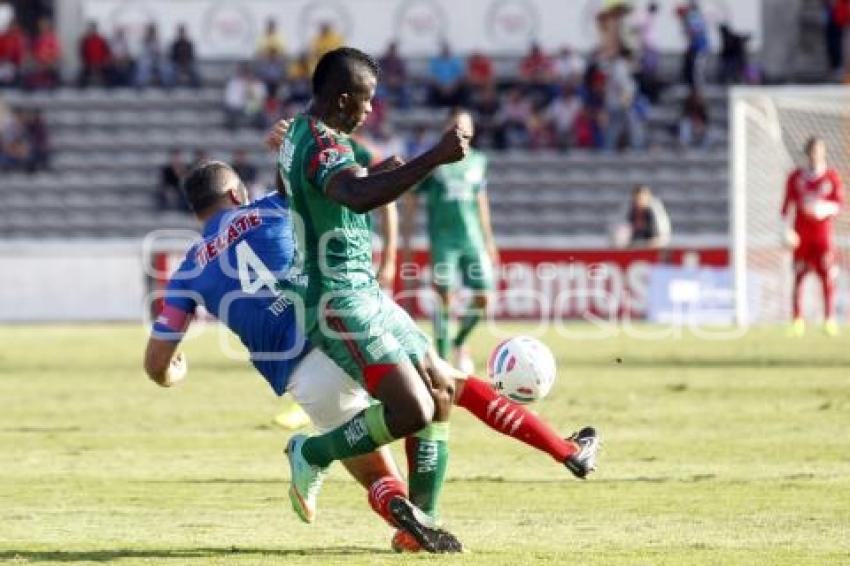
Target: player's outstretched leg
point(577, 453)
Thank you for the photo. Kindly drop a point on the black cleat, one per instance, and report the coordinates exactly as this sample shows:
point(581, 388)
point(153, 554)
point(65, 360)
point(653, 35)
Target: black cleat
point(420, 526)
point(584, 461)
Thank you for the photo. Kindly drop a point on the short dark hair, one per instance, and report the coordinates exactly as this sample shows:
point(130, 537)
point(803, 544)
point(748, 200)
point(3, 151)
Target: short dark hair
point(811, 141)
point(335, 73)
point(205, 185)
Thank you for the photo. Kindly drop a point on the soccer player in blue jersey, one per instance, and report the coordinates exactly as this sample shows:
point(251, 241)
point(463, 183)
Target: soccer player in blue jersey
point(238, 272)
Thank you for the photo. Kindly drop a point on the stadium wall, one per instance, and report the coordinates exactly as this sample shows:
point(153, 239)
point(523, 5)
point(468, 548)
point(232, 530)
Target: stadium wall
point(49, 281)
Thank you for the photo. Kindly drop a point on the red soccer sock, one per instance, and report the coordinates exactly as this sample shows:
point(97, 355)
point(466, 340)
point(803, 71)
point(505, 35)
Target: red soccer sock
point(382, 492)
point(512, 419)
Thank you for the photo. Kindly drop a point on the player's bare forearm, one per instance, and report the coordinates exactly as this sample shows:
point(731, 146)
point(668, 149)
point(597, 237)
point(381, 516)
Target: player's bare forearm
point(163, 364)
point(362, 193)
point(365, 193)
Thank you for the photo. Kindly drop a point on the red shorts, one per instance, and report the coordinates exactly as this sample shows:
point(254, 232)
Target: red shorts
point(817, 255)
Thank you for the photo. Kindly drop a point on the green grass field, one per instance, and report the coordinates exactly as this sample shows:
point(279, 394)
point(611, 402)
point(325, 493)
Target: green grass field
point(716, 452)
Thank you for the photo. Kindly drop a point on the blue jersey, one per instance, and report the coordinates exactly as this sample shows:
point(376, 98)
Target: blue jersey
point(234, 272)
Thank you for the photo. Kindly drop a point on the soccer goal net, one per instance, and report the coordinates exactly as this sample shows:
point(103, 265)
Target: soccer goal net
point(769, 127)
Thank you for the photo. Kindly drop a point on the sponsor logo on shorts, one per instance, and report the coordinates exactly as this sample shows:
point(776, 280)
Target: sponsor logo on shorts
point(382, 345)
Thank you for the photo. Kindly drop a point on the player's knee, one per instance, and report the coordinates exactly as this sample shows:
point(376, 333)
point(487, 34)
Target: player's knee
point(420, 414)
point(481, 300)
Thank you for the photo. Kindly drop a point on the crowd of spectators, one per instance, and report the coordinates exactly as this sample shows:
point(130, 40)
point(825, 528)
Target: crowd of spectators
point(29, 60)
point(112, 62)
point(549, 100)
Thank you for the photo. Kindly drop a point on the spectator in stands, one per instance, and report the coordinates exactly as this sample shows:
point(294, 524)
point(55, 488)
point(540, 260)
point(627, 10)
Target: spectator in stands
point(328, 39)
point(513, 119)
point(244, 99)
point(540, 134)
point(23, 141)
point(152, 66)
point(170, 195)
point(536, 70)
point(271, 43)
point(270, 67)
point(13, 49)
point(183, 59)
point(95, 57)
point(733, 55)
point(299, 89)
point(46, 56)
point(561, 116)
point(446, 77)
point(479, 70)
point(39, 141)
point(649, 61)
point(569, 66)
point(394, 77)
point(693, 124)
point(837, 18)
point(123, 67)
point(486, 107)
point(248, 172)
point(14, 143)
point(696, 31)
point(592, 121)
point(621, 102)
point(645, 222)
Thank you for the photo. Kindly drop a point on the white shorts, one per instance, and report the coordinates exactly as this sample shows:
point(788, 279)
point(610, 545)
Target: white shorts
point(325, 392)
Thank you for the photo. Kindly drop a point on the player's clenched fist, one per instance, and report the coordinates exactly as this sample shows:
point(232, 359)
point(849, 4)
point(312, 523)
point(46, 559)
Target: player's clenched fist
point(454, 144)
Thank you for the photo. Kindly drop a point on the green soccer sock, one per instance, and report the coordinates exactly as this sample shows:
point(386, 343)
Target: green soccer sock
point(441, 330)
point(361, 435)
point(468, 322)
point(427, 460)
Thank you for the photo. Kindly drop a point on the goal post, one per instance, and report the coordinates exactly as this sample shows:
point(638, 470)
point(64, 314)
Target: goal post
point(768, 127)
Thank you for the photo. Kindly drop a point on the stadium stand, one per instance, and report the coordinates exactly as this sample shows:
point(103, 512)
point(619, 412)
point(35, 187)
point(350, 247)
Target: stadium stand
point(108, 144)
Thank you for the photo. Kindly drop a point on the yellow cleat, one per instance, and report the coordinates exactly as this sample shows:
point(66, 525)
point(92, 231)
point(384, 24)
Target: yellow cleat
point(797, 328)
point(291, 416)
point(830, 328)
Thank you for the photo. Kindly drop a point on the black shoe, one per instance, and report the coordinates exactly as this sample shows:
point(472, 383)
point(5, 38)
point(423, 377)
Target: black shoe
point(584, 461)
point(420, 526)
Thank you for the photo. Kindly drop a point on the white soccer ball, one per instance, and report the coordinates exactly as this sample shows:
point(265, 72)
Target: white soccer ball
point(522, 369)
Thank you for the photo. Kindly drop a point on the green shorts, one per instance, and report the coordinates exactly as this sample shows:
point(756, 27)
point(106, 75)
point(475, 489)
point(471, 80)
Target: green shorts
point(473, 264)
point(362, 329)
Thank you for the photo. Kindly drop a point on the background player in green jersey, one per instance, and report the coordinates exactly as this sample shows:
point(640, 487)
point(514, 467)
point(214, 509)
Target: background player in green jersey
point(461, 242)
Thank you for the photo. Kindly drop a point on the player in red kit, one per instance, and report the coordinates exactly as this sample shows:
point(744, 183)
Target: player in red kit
point(816, 194)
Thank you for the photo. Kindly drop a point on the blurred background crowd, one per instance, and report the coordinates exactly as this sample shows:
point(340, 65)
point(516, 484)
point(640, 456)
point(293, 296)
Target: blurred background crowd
point(559, 100)
point(603, 101)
